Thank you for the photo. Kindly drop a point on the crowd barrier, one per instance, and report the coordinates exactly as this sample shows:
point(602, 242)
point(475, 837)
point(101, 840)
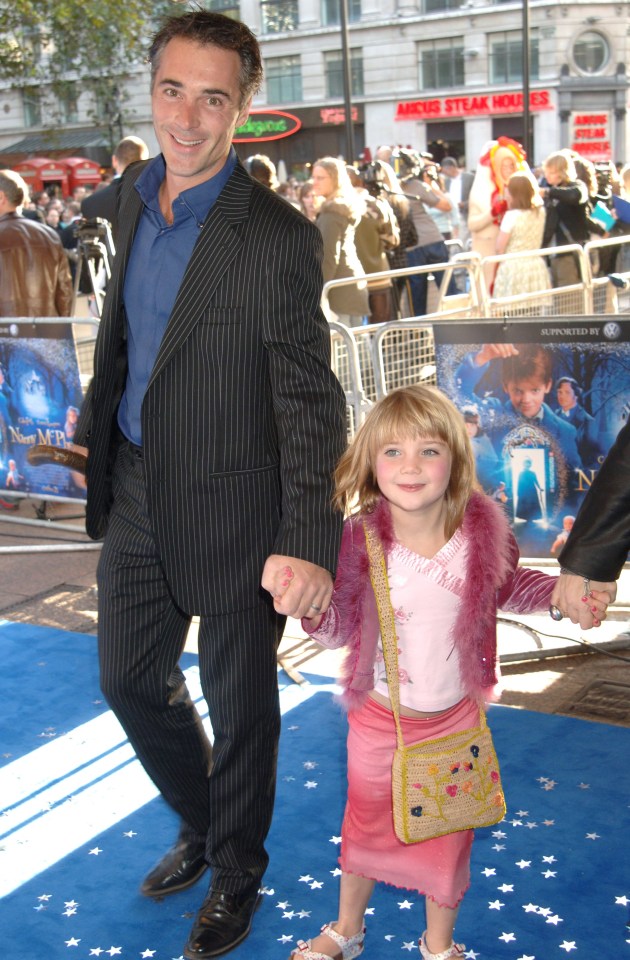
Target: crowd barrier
point(374, 359)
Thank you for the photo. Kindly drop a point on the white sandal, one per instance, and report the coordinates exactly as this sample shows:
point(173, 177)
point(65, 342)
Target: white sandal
point(455, 950)
point(350, 946)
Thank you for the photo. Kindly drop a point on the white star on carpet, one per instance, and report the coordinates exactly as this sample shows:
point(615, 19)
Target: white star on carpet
point(550, 859)
point(310, 764)
point(148, 953)
point(96, 951)
point(471, 955)
point(555, 920)
point(508, 937)
point(114, 951)
point(499, 834)
point(506, 888)
point(623, 901)
point(130, 833)
point(592, 836)
point(288, 915)
point(336, 872)
point(489, 871)
point(584, 786)
point(303, 913)
point(526, 957)
point(548, 873)
point(285, 938)
point(94, 852)
point(550, 785)
point(405, 904)
point(316, 885)
point(409, 945)
point(498, 846)
point(335, 840)
point(45, 896)
point(495, 905)
point(305, 878)
point(568, 945)
point(310, 784)
point(530, 908)
point(72, 942)
point(285, 903)
point(523, 863)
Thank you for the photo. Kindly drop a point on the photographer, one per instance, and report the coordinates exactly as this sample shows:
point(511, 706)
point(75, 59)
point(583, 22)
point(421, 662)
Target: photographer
point(377, 232)
point(430, 247)
point(447, 221)
point(567, 204)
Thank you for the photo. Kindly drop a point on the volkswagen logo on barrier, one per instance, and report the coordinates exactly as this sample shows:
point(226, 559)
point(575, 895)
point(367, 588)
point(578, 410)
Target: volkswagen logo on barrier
point(611, 330)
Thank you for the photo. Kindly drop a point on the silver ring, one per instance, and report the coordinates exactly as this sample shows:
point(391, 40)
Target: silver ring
point(555, 612)
point(316, 608)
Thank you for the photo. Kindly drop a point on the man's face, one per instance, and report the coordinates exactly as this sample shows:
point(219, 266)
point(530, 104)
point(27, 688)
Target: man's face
point(527, 395)
point(196, 103)
point(566, 396)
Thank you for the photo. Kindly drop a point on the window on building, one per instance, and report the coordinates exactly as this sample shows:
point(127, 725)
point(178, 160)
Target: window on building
point(279, 16)
point(69, 105)
point(31, 107)
point(331, 16)
point(506, 57)
point(591, 52)
point(334, 73)
point(230, 8)
point(441, 64)
point(284, 79)
point(436, 6)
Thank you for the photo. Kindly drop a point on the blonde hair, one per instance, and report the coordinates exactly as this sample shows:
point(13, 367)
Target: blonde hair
point(562, 163)
point(416, 411)
point(343, 189)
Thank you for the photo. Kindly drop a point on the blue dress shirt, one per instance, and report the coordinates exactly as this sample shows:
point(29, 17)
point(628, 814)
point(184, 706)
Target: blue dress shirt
point(156, 267)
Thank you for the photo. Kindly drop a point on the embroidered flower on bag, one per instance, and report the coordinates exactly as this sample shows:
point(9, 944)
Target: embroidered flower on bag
point(401, 617)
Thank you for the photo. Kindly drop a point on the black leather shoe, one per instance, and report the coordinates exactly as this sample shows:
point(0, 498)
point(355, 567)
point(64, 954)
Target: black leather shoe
point(224, 921)
point(180, 868)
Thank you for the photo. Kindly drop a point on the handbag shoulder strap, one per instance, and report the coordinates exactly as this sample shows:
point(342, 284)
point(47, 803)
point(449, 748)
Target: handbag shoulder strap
point(380, 586)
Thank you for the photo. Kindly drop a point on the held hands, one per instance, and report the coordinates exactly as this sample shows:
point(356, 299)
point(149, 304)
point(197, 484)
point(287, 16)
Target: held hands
point(299, 588)
point(582, 601)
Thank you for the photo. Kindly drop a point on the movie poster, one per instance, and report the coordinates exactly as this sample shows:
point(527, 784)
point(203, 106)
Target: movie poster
point(543, 402)
point(40, 397)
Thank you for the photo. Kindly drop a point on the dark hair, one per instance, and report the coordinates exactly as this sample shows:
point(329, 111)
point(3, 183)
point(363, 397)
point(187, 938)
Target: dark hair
point(532, 361)
point(577, 389)
point(213, 29)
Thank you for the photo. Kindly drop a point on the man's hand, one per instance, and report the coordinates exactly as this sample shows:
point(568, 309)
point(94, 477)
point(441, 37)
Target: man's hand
point(587, 609)
point(298, 588)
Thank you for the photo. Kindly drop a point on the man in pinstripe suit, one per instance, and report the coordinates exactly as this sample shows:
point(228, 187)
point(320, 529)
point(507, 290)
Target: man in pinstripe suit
point(212, 424)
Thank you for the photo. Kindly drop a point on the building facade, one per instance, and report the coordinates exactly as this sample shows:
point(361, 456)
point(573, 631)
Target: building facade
point(438, 75)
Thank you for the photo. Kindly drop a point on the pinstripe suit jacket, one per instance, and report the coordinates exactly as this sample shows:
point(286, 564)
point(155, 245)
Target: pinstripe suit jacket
point(243, 419)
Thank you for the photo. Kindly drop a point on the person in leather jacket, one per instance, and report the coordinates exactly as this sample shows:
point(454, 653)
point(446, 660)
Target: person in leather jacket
point(598, 544)
point(34, 274)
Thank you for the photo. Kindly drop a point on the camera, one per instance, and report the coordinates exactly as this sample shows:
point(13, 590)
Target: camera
point(92, 231)
point(604, 177)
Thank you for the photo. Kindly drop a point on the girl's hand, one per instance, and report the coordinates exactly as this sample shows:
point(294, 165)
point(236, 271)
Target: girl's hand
point(314, 622)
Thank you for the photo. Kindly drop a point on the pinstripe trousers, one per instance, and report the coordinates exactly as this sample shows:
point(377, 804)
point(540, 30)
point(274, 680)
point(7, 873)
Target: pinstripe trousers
point(224, 792)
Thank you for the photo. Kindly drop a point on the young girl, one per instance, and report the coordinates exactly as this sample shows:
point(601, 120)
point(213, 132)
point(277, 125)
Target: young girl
point(452, 560)
point(521, 230)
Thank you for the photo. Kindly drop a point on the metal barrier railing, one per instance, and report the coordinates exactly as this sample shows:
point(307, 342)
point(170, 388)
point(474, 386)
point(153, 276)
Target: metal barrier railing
point(381, 357)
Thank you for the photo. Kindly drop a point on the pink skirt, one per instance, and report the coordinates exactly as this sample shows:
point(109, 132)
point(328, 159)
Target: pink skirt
point(439, 868)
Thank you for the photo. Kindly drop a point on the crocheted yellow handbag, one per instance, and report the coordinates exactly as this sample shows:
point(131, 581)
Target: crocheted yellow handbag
point(442, 785)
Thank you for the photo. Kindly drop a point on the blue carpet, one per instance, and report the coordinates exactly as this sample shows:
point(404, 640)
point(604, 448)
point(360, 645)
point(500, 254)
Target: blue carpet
point(81, 825)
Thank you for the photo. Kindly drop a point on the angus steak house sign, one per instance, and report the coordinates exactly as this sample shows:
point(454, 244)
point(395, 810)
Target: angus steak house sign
point(443, 108)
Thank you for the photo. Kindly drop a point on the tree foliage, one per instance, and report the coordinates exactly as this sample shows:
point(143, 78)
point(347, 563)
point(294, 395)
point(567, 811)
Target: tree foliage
point(89, 44)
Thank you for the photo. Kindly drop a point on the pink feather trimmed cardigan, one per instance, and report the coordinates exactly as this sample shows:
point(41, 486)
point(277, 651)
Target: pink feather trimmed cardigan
point(493, 581)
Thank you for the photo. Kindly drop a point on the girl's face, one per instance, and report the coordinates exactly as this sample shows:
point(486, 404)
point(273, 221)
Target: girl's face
point(413, 475)
point(552, 176)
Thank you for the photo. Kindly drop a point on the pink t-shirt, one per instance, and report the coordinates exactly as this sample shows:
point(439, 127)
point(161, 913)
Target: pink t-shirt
point(425, 595)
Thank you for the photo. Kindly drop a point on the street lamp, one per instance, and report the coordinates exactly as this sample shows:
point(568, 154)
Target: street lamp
point(526, 144)
point(347, 79)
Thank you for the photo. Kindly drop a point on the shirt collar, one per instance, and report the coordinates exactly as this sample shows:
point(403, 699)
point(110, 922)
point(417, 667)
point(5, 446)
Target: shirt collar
point(198, 199)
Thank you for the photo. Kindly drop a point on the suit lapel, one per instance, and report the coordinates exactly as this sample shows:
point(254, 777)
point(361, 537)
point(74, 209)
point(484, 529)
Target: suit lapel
point(217, 245)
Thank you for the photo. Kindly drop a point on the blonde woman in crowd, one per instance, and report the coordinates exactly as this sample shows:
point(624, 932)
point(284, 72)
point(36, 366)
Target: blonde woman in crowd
point(339, 214)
